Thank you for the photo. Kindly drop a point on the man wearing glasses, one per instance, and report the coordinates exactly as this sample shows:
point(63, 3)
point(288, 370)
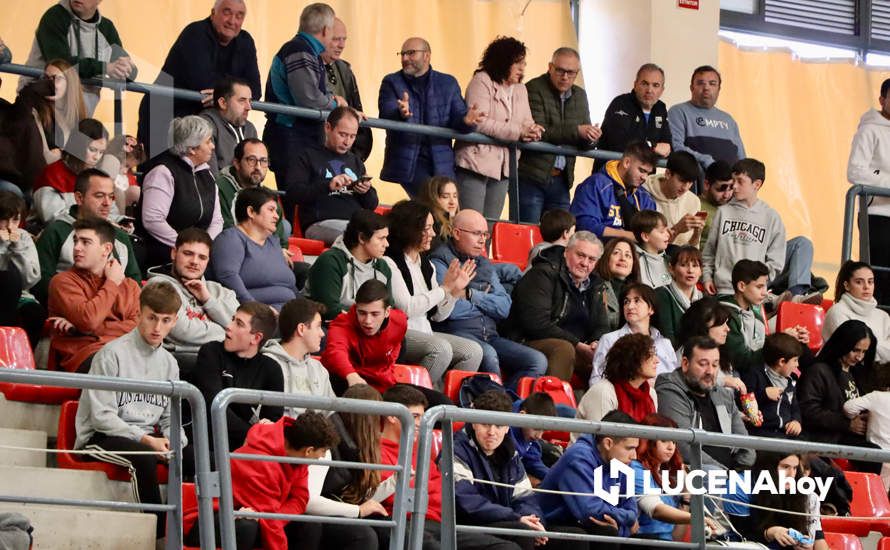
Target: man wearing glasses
point(717, 192)
point(249, 166)
point(483, 304)
point(420, 95)
point(561, 108)
point(228, 117)
point(639, 115)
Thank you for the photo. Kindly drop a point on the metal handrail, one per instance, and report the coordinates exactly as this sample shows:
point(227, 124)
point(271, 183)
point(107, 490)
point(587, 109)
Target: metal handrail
point(219, 418)
point(176, 391)
point(446, 415)
point(864, 193)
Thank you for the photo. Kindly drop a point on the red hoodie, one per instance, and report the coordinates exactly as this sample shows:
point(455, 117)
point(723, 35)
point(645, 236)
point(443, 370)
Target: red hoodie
point(349, 350)
point(58, 176)
point(266, 486)
point(389, 454)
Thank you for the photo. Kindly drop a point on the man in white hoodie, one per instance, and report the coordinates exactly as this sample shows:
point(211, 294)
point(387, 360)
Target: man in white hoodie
point(299, 323)
point(207, 307)
point(869, 164)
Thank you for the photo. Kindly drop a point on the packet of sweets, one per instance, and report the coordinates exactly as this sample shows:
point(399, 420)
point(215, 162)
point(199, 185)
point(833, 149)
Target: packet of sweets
point(751, 410)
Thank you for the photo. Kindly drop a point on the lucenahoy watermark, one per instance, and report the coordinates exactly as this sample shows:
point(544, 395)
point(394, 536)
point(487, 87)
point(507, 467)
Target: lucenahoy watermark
point(700, 482)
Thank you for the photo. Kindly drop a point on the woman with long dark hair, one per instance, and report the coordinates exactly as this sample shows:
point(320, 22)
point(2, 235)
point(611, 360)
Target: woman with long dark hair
point(619, 265)
point(854, 298)
point(439, 194)
point(415, 291)
point(497, 89)
point(842, 371)
point(708, 317)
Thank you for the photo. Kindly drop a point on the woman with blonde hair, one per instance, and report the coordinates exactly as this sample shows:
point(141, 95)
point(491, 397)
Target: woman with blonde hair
point(63, 110)
point(439, 194)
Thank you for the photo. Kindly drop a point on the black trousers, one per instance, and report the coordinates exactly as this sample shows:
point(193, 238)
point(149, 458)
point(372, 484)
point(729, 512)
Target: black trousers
point(879, 253)
point(247, 533)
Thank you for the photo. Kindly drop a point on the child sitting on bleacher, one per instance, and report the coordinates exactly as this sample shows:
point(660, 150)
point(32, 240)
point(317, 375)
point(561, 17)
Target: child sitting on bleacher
point(130, 421)
point(19, 270)
point(557, 226)
point(653, 236)
point(877, 405)
point(528, 440)
point(774, 386)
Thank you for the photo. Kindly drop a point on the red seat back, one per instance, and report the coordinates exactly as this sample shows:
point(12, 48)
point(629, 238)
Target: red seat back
point(869, 500)
point(453, 379)
point(383, 209)
point(560, 390)
point(807, 315)
point(413, 374)
point(308, 247)
point(524, 388)
point(297, 230)
point(15, 350)
point(884, 543)
point(843, 541)
point(511, 242)
point(436, 444)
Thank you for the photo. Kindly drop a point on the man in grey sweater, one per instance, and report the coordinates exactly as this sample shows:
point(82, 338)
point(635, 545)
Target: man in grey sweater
point(700, 128)
point(690, 397)
point(127, 421)
point(228, 117)
point(207, 307)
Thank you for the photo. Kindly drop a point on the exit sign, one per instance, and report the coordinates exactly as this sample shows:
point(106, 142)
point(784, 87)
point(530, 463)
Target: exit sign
point(688, 4)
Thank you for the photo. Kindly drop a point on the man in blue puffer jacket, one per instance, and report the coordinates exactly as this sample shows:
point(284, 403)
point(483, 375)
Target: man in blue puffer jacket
point(574, 472)
point(420, 95)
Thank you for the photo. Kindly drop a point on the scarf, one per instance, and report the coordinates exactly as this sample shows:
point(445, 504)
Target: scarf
point(680, 298)
point(637, 402)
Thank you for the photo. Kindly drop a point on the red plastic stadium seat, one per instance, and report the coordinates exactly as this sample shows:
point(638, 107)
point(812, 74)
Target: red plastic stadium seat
point(826, 304)
point(297, 230)
point(65, 441)
point(309, 247)
point(883, 544)
point(843, 541)
point(511, 242)
point(15, 353)
point(383, 209)
point(453, 379)
point(807, 315)
point(869, 500)
point(295, 250)
point(559, 390)
point(413, 374)
point(436, 444)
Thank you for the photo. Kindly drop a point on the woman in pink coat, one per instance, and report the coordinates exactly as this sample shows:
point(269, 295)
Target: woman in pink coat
point(497, 89)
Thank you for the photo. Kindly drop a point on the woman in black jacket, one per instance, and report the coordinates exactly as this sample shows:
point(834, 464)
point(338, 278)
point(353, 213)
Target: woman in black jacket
point(841, 372)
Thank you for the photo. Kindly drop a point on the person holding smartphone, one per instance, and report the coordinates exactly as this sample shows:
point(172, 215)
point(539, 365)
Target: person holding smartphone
point(329, 182)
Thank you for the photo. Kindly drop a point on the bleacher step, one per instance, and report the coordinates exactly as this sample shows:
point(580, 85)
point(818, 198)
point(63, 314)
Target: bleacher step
point(66, 528)
point(62, 483)
point(29, 416)
point(34, 439)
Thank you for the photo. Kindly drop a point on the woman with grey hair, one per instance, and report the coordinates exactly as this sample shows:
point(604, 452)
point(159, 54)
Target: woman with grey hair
point(178, 190)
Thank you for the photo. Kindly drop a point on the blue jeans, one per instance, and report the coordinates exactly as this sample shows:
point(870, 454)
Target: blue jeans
point(423, 170)
point(519, 359)
point(798, 266)
point(534, 199)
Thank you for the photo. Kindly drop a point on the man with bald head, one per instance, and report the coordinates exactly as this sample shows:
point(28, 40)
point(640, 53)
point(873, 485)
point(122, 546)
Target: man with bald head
point(561, 108)
point(204, 53)
point(483, 304)
point(75, 31)
point(420, 95)
point(341, 82)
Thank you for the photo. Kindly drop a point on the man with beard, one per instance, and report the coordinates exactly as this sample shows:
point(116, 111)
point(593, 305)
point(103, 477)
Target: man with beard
point(228, 117)
point(206, 307)
point(690, 397)
point(249, 166)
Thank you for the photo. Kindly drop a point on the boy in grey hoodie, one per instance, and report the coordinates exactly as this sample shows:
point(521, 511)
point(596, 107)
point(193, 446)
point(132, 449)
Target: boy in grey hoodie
point(299, 323)
point(19, 270)
point(650, 228)
point(207, 306)
point(127, 421)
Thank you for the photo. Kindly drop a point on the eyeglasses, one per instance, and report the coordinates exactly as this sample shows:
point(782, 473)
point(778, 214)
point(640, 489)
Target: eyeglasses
point(478, 234)
point(722, 188)
point(409, 53)
point(252, 161)
point(332, 74)
point(565, 72)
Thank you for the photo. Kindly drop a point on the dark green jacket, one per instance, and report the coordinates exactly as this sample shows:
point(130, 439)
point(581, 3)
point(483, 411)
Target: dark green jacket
point(561, 125)
point(228, 188)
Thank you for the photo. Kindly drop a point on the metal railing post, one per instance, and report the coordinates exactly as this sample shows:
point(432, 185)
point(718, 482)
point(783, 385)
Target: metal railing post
point(864, 237)
point(513, 161)
point(421, 474)
point(206, 481)
point(697, 501)
point(118, 112)
point(224, 470)
point(849, 220)
point(174, 477)
point(446, 469)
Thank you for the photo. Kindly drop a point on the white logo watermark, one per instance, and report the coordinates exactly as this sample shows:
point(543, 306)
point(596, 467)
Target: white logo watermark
point(701, 482)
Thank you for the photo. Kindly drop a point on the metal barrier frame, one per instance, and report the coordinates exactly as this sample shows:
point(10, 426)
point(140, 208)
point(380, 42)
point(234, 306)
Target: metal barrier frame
point(447, 414)
point(120, 86)
point(403, 494)
point(177, 391)
point(851, 218)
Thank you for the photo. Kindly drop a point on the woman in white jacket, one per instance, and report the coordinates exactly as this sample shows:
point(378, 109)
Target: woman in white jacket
point(854, 299)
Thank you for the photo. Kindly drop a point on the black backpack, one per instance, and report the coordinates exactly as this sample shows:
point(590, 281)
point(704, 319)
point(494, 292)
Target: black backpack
point(476, 385)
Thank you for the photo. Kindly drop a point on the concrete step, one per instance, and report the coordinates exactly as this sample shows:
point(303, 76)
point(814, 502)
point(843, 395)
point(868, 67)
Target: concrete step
point(61, 483)
point(68, 528)
point(29, 416)
point(23, 438)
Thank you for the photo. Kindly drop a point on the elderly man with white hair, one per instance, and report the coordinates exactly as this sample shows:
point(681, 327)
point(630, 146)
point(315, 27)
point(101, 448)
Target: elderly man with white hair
point(205, 52)
point(297, 77)
point(178, 190)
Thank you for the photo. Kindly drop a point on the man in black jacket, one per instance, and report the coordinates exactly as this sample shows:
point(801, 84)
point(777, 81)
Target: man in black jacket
point(341, 81)
point(558, 307)
point(638, 116)
point(237, 363)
